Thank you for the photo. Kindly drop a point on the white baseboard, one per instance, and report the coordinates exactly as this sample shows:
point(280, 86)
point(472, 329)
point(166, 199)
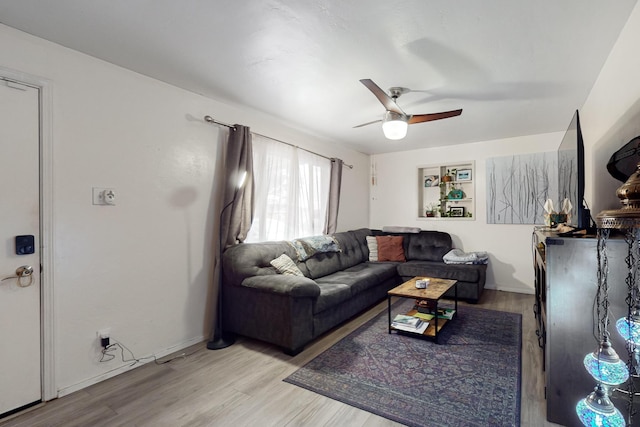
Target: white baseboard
point(517, 290)
point(127, 367)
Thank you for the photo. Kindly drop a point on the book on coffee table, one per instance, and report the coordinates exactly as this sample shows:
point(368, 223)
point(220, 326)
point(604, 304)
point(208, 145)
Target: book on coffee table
point(418, 330)
point(446, 313)
point(424, 316)
point(407, 320)
point(428, 314)
point(409, 323)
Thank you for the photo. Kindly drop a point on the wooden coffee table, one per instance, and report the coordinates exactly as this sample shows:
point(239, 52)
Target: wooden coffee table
point(430, 296)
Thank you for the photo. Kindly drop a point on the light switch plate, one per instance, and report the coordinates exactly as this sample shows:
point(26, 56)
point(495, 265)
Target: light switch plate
point(98, 196)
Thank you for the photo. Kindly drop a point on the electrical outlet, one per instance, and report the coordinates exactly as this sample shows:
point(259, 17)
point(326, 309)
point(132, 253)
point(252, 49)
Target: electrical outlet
point(103, 334)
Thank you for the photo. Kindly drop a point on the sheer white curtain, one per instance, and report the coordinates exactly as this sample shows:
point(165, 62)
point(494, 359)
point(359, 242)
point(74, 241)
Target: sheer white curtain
point(291, 191)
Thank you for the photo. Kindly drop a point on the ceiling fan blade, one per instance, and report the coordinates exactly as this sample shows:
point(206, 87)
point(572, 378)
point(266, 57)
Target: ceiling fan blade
point(382, 96)
point(369, 123)
point(420, 118)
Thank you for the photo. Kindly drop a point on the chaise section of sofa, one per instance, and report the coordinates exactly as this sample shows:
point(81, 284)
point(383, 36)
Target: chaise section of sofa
point(424, 252)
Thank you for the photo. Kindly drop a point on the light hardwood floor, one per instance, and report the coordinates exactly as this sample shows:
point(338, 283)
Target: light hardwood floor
point(242, 386)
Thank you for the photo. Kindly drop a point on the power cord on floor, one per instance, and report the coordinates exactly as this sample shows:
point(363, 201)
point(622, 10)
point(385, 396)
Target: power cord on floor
point(110, 351)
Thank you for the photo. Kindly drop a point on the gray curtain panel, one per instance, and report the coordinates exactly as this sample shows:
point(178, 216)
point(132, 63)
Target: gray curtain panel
point(333, 204)
point(236, 211)
point(239, 197)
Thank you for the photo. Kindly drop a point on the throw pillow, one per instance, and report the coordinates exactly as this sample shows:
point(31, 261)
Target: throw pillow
point(285, 265)
point(390, 248)
point(372, 243)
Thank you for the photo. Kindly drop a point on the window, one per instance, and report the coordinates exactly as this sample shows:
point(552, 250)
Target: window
point(291, 191)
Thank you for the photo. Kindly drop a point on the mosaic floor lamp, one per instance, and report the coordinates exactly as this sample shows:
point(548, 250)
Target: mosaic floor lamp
point(604, 364)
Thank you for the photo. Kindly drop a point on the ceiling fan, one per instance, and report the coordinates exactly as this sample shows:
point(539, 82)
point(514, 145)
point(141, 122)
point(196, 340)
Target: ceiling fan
point(395, 121)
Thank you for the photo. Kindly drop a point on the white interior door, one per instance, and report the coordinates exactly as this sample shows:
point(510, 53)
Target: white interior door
point(20, 335)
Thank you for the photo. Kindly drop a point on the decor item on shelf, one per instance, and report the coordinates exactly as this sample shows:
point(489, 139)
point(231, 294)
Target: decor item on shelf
point(431, 181)
point(422, 283)
point(463, 175)
point(449, 176)
point(597, 408)
point(456, 211)
point(557, 218)
point(431, 210)
point(552, 218)
point(455, 194)
point(395, 121)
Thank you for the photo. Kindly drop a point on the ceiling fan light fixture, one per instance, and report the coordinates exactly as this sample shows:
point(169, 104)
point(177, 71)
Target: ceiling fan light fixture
point(394, 125)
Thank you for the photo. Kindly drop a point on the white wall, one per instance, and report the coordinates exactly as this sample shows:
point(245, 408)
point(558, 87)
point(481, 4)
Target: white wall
point(141, 267)
point(610, 116)
point(394, 201)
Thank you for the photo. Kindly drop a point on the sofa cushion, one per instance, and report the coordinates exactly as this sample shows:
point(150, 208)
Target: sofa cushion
point(323, 264)
point(427, 245)
point(459, 272)
point(362, 276)
point(331, 294)
point(283, 284)
point(350, 249)
point(285, 265)
point(390, 248)
point(372, 244)
point(381, 270)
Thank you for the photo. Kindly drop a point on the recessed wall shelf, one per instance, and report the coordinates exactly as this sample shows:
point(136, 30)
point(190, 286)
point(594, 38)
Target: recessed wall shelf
point(446, 191)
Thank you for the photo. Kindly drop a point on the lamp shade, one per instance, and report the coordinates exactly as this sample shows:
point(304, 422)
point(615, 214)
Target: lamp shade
point(597, 410)
point(241, 179)
point(394, 125)
point(605, 365)
point(629, 329)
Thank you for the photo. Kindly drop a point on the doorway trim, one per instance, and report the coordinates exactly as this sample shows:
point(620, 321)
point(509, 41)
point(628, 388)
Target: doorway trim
point(47, 308)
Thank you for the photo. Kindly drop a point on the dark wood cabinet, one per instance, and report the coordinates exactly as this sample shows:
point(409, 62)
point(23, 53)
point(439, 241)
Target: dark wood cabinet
point(565, 286)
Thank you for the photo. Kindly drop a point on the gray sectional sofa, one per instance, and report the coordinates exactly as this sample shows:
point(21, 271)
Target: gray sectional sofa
point(290, 311)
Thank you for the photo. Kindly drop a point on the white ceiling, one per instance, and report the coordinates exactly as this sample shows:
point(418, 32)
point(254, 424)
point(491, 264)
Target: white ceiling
point(516, 67)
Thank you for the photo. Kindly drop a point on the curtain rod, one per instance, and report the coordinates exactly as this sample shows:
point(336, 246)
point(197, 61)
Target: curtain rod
point(210, 119)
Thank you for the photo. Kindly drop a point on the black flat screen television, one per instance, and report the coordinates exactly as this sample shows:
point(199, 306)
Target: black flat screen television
point(571, 174)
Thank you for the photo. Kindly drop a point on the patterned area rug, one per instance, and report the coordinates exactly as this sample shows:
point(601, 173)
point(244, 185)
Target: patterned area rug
point(472, 378)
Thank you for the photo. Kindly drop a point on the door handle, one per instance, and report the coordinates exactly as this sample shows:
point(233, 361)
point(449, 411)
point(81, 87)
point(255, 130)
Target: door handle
point(22, 272)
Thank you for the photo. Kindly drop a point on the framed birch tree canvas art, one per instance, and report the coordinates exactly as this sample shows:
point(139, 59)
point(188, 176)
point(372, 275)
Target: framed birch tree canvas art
point(518, 186)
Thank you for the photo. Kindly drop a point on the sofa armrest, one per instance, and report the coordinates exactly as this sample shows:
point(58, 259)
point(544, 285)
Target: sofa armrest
point(295, 286)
